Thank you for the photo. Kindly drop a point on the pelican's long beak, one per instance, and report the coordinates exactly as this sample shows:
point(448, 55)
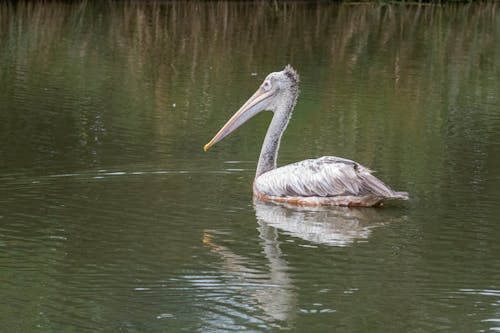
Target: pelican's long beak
point(258, 102)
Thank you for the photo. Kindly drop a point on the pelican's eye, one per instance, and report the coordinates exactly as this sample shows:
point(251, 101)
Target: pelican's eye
point(266, 85)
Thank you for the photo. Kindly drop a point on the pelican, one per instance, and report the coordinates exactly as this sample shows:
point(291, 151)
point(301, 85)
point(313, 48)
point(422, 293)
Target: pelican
point(325, 181)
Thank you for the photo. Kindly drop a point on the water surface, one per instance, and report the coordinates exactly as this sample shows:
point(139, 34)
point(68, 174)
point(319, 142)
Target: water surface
point(112, 218)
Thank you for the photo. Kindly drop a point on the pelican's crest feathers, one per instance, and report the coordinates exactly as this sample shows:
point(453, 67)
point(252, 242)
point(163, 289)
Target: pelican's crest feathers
point(292, 75)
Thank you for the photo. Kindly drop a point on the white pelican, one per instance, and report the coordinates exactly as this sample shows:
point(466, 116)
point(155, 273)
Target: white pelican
point(325, 181)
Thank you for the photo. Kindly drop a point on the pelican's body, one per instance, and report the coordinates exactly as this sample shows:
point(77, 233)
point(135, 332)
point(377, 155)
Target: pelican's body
point(325, 181)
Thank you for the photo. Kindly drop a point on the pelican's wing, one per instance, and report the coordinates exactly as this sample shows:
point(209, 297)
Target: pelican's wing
point(327, 176)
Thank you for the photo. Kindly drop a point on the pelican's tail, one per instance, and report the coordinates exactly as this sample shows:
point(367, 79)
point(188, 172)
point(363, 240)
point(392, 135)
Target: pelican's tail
point(400, 195)
point(375, 186)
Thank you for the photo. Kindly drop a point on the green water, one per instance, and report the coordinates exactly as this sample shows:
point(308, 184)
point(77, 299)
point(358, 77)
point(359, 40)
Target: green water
point(113, 219)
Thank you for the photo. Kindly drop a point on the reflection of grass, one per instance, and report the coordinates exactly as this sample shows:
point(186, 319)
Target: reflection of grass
point(160, 34)
point(143, 57)
point(160, 40)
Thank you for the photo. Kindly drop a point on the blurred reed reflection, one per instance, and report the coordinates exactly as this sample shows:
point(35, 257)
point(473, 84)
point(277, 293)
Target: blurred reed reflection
point(116, 70)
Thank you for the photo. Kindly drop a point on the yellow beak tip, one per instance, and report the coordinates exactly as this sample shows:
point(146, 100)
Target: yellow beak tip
point(205, 147)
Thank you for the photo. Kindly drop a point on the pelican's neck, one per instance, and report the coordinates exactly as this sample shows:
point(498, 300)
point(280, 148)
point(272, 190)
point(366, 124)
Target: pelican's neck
point(269, 153)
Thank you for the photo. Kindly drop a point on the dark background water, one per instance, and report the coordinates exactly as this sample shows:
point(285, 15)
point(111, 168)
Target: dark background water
point(112, 218)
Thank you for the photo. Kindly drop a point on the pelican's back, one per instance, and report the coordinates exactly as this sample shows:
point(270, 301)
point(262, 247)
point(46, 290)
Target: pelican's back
point(327, 180)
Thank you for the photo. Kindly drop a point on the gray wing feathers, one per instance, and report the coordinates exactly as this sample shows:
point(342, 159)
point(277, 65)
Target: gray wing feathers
point(324, 177)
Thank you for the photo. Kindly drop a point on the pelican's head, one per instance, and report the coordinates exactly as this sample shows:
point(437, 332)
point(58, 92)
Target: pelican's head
point(277, 88)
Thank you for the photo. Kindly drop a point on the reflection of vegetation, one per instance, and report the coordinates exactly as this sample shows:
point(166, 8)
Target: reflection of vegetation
point(89, 83)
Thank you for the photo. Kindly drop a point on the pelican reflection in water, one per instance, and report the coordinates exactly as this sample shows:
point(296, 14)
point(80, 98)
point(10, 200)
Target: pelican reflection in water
point(325, 181)
point(269, 291)
point(332, 226)
point(268, 288)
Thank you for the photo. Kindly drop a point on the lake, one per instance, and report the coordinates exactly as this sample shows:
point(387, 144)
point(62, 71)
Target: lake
point(113, 218)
